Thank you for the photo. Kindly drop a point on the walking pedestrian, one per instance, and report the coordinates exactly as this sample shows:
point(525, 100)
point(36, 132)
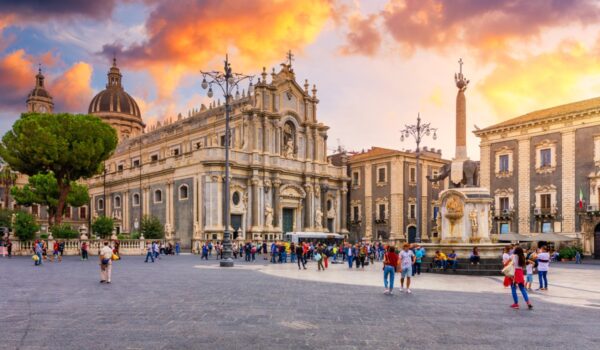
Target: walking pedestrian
point(38, 250)
point(505, 261)
point(105, 257)
point(204, 252)
point(177, 248)
point(55, 252)
point(350, 252)
point(419, 253)
point(84, 251)
point(407, 258)
point(149, 252)
point(518, 261)
point(300, 256)
point(9, 248)
point(390, 264)
point(319, 259)
point(543, 259)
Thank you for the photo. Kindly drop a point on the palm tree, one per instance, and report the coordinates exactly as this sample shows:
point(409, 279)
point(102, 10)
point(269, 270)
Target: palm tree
point(7, 179)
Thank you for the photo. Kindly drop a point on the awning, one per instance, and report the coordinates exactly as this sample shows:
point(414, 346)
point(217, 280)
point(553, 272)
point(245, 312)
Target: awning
point(512, 237)
point(551, 237)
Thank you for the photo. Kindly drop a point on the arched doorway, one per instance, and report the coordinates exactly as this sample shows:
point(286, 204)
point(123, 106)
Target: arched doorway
point(597, 242)
point(412, 234)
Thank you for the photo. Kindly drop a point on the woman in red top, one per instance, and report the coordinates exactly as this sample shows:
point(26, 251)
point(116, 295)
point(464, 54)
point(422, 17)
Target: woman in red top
point(390, 262)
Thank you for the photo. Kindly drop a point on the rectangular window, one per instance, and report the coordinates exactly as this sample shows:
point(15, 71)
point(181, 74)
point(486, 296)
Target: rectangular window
point(82, 212)
point(436, 212)
point(154, 157)
point(135, 163)
point(413, 175)
point(120, 167)
point(546, 226)
point(503, 203)
point(504, 227)
point(381, 211)
point(356, 178)
point(355, 214)
point(222, 140)
point(545, 157)
point(503, 163)
point(175, 151)
point(381, 175)
point(412, 211)
point(545, 203)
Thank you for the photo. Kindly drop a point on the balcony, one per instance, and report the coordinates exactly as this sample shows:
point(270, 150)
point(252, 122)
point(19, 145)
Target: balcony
point(545, 211)
point(380, 221)
point(503, 214)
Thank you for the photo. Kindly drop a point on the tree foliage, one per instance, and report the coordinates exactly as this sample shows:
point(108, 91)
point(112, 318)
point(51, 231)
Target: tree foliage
point(103, 226)
point(151, 227)
point(6, 218)
point(43, 189)
point(64, 231)
point(72, 146)
point(7, 179)
point(25, 226)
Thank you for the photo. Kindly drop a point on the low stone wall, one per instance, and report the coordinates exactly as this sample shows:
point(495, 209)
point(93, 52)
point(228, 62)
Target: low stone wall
point(73, 246)
point(463, 250)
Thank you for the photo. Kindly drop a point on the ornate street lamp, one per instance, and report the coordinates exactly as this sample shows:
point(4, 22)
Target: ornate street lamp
point(227, 81)
point(418, 132)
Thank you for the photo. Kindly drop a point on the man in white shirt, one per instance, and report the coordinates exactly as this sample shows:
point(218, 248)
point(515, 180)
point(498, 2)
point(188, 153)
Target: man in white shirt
point(407, 259)
point(105, 263)
point(543, 260)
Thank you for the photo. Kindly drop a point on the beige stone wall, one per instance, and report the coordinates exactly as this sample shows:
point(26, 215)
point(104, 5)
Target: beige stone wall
point(485, 166)
point(568, 181)
point(524, 190)
point(368, 206)
point(397, 198)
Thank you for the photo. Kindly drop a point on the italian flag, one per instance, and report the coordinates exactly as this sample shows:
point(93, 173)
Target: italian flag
point(580, 198)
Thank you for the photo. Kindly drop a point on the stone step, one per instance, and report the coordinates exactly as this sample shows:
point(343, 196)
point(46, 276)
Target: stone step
point(469, 272)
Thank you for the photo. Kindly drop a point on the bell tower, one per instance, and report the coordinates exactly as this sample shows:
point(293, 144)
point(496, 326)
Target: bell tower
point(39, 100)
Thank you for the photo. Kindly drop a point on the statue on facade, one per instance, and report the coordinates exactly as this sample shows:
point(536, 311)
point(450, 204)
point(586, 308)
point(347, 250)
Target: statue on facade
point(196, 230)
point(268, 216)
point(474, 223)
point(288, 141)
point(319, 219)
point(168, 231)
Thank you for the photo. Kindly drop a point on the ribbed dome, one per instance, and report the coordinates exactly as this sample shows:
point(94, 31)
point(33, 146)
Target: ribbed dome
point(39, 92)
point(114, 99)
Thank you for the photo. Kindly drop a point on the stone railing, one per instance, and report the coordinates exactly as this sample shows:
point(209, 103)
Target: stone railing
point(73, 246)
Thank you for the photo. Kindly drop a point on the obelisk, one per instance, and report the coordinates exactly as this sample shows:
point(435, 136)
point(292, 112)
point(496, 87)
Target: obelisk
point(461, 114)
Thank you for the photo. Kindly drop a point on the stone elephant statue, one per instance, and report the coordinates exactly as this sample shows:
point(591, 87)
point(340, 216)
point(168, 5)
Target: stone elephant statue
point(470, 174)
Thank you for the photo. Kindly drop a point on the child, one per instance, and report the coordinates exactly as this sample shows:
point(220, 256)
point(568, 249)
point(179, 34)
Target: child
point(529, 272)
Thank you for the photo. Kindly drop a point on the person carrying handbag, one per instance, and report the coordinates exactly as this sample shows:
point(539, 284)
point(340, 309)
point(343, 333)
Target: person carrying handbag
point(105, 256)
point(390, 264)
point(518, 278)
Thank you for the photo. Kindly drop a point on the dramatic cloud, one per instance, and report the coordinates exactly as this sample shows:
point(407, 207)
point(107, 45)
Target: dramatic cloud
point(571, 73)
point(17, 80)
point(486, 25)
point(363, 36)
point(44, 9)
point(189, 36)
point(72, 90)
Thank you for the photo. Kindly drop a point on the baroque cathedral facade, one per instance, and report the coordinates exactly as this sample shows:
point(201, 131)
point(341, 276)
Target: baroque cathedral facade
point(281, 178)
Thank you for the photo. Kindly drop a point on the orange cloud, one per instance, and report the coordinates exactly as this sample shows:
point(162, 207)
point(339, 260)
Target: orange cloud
point(518, 86)
point(363, 36)
point(485, 25)
point(72, 90)
point(17, 80)
point(189, 36)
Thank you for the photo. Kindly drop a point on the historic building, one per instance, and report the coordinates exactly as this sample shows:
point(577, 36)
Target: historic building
point(543, 169)
point(383, 194)
point(281, 179)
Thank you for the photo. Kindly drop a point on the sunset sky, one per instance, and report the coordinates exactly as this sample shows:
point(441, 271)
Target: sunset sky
point(376, 63)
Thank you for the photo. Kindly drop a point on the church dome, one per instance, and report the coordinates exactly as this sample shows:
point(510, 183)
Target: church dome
point(114, 99)
point(117, 107)
point(39, 100)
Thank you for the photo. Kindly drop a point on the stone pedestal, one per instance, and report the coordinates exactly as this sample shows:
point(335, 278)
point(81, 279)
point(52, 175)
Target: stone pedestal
point(465, 214)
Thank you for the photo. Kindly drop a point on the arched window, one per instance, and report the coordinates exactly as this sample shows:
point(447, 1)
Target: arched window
point(117, 201)
point(158, 196)
point(100, 204)
point(136, 199)
point(183, 192)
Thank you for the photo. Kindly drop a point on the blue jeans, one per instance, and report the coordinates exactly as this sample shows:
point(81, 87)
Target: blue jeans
point(388, 274)
point(284, 257)
point(543, 275)
point(453, 264)
point(149, 255)
point(513, 288)
point(39, 262)
point(293, 258)
point(350, 261)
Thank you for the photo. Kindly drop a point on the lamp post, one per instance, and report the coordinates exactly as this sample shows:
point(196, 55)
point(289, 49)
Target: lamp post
point(418, 132)
point(227, 81)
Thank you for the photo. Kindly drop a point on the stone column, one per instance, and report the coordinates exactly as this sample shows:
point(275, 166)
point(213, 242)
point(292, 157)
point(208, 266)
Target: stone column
point(308, 207)
point(485, 166)
point(568, 181)
point(125, 216)
point(461, 114)
point(524, 202)
point(255, 203)
point(276, 194)
point(344, 210)
point(324, 190)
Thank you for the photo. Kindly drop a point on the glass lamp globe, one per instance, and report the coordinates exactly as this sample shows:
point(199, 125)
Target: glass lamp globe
point(250, 88)
point(210, 92)
point(204, 84)
point(230, 81)
point(434, 136)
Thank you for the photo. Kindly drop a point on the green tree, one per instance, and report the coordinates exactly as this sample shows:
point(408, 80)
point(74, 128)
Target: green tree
point(151, 227)
point(43, 189)
point(72, 146)
point(103, 226)
point(64, 231)
point(6, 218)
point(25, 226)
point(7, 179)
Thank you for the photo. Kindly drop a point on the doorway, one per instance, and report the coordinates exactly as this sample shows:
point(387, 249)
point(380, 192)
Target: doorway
point(412, 234)
point(236, 224)
point(288, 220)
point(330, 225)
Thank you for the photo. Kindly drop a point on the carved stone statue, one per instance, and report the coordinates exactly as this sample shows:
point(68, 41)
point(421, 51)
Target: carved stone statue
point(474, 223)
point(268, 216)
point(196, 230)
point(168, 231)
point(319, 219)
point(289, 140)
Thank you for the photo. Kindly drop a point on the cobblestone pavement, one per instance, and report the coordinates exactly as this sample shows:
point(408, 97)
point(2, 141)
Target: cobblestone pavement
point(182, 303)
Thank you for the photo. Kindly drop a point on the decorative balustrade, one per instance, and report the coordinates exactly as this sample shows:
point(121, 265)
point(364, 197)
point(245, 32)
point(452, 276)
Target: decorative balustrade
point(73, 246)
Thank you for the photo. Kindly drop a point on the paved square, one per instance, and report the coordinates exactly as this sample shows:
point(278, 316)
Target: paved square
point(183, 303)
